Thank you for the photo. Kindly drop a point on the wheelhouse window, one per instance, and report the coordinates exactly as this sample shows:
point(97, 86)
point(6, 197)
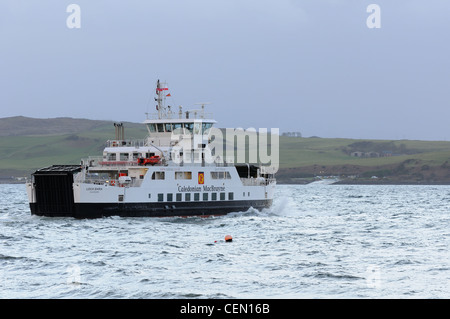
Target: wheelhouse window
point(151, 127)
point(177, 127)
point(206, 126)
point(160, 127)
point(168, 127)
point(197, 128)
point(189, 127)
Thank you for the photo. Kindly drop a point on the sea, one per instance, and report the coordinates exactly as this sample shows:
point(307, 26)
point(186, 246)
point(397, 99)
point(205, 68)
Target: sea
point(318, 241)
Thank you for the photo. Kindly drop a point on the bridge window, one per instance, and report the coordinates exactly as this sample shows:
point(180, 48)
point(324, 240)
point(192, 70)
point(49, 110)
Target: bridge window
point(178, 127)
point(206, 126)
point(152, 127)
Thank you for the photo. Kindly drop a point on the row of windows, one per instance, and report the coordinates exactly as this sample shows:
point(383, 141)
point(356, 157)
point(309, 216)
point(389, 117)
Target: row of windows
point(196, 197)
point(220, 175)
point(196, 128)
point(188, 175)
point(127, 156)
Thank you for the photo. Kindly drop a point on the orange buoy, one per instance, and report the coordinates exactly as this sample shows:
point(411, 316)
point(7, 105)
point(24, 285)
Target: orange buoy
point(228, 238)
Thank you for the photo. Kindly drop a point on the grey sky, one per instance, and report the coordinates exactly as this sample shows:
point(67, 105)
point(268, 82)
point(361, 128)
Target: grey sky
point(300, 65)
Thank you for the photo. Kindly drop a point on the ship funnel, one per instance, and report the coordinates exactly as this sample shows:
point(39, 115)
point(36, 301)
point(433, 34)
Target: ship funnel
point(120, 131)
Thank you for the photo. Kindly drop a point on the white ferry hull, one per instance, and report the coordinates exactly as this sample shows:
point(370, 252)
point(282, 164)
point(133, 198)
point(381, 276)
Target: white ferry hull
point(164, 209)
point(55, 194)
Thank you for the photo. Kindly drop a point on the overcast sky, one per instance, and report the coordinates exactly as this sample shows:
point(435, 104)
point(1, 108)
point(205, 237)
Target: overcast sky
point(312, 66)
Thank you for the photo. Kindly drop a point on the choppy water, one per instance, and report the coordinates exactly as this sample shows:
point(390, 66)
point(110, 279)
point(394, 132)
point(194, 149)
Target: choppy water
point(318, 241)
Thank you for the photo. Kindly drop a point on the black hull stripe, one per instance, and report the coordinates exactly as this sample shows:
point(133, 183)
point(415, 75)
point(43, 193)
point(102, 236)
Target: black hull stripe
point(164, 209)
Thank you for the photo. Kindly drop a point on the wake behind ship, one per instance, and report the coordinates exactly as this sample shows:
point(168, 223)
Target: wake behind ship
point(170, 173)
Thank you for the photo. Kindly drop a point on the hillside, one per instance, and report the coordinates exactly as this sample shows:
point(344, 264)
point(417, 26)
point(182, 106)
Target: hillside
point(26, 126)
point(365, 161)
point(32, 143)
point(27, 144)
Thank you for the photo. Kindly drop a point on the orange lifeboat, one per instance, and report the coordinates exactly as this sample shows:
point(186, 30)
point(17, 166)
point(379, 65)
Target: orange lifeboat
point(152, 160)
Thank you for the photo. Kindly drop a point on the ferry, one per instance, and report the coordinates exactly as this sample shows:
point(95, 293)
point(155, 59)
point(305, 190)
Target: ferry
point(172, 172)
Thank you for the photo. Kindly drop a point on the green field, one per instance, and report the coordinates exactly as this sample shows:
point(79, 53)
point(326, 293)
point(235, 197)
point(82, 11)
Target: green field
point(297, 152)
point(411, 160)
point(21, 155)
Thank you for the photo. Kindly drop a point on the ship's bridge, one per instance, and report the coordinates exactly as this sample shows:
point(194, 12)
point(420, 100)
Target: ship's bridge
point(166, 127)
point(179, 126)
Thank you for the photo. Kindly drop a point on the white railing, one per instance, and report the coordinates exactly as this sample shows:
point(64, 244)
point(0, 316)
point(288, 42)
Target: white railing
point(109, 182)
point(193, 115)
point(98, 161)
point(126, 143)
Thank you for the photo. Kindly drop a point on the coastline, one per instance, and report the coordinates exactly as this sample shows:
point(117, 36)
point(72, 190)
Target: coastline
point(360, 181)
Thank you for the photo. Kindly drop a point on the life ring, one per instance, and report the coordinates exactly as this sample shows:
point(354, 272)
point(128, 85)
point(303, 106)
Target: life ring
point(112, 183)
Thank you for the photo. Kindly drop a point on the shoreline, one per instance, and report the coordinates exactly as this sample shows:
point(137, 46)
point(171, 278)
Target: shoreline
point(361, 182)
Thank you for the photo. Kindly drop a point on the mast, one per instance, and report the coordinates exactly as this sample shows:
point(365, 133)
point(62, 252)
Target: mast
point(161, 99)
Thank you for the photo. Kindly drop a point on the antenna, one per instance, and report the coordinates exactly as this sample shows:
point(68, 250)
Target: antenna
point(202, 114)
point(202, 104)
